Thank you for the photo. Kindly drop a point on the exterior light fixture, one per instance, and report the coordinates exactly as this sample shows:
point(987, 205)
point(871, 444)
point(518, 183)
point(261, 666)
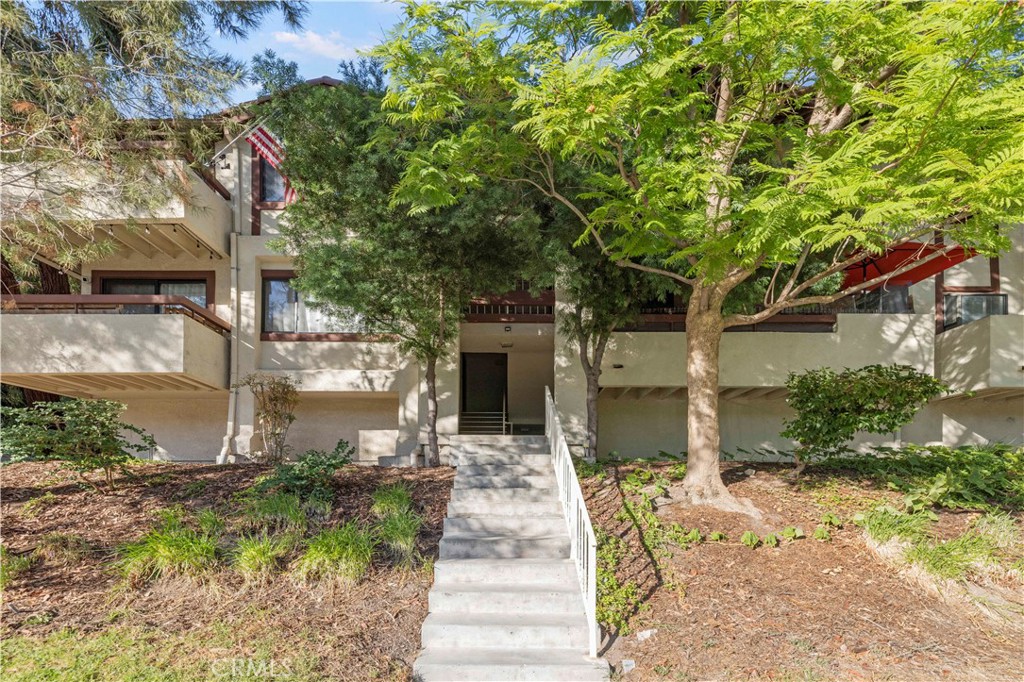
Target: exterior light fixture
point(506, 344)
point(508, 329)
point(617, 366)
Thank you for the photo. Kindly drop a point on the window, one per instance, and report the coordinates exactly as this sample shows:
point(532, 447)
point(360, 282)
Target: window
point(271, 183)
point(194, 290)
point(285, 311)
point(963, 308)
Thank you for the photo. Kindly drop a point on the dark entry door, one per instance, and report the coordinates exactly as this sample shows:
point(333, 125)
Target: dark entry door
point(484, 382)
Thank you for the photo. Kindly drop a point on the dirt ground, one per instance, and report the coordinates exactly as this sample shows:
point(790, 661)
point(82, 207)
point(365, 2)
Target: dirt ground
point(367, 631)
point(806, 610)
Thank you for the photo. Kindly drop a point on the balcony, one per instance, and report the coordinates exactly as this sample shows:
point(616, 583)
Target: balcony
point(984, 356)
point(518, 305)
point(100, 346)
point(199, 226)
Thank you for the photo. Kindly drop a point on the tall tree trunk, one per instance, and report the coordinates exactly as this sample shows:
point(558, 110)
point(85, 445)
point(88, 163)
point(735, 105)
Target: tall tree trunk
point(52, 280)
point(433, 454)
point(703, 483)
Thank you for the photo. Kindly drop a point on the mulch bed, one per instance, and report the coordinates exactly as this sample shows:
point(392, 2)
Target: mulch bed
point(805, 610)
point(366, 630)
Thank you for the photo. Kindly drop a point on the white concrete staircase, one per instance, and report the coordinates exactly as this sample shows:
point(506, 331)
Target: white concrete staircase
point(506, 602)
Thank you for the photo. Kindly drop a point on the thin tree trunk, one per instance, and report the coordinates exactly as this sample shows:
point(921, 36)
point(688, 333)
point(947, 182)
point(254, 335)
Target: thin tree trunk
point(593, 388)
point(433, 454)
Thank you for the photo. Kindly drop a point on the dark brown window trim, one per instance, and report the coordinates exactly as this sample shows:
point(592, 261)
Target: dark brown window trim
point(99, 276)
point(320, 336)
point(258, 205)
point(994, 287)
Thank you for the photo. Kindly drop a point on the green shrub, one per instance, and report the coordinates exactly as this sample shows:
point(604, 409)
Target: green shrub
point(83, 435)
point(62, 548)
point(279, 511)
point(257, 556)
point(12, 565)
point(831, 407)
point(341, 553)
point(398, 532)
point(310, 476)
point(980, 477)
point(172, 548)
point(391, 499)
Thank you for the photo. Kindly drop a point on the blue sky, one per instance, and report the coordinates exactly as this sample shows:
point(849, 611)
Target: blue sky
point(331, 32)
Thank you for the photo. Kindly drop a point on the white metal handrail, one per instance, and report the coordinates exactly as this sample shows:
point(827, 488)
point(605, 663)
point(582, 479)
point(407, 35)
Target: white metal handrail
point(583, 541)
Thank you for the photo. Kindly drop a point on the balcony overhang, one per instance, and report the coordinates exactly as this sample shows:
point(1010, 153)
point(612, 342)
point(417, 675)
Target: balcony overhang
point(93, 349)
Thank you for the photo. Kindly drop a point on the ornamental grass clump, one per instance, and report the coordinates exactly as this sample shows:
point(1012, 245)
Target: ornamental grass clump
point(170, 549)
point(62, 548)
point(398, 532)
point(257, 557)
point(391, 499)
point(343, 554)
point(278, 511)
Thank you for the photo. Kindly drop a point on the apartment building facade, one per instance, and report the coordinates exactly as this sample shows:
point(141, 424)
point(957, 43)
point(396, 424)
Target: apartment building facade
point(195, 298)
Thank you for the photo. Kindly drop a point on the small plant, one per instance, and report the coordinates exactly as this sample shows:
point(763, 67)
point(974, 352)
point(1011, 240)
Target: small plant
point(33, 507)
point(257, 556)
point(717, 536)
point(12, 565)
point(62, 548)
point(276, 400)
point(193, 488)
point(821, 534)
point(770, 540)
point(830, 519)
point(398, 532)
point(391, 499)
point(341, 553)
point(750, 539)
point(883, 523)
point(677, 471)
point(310, 476)
point(83, 435)
point(792, 533)
point(276, 511)
point(616, 601)
point(831, 407)
point(172, 548)
point(209, 522)
point(693, 537)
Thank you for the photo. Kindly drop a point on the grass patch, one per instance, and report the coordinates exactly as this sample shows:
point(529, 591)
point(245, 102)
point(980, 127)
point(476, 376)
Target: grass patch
point(954, 558)
point(65, 549)
point(274, 511)
point(391, 499)
point(341, 553)
point(36, 505)
point(883, 523)
point(172, 548)
point(12, 565)
point(257, 557)
point(398, 532)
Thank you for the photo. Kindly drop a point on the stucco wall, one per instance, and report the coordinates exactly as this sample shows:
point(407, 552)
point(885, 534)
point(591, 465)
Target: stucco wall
point(187, 427)
point(368, 422)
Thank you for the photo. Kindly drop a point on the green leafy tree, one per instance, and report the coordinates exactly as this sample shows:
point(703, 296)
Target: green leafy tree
point(84, 435)
point(721, 141)
point(97, 96)
point(407, 277)
point(832, 407)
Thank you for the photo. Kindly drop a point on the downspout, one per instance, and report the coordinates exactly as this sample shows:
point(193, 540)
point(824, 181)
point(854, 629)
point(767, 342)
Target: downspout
point(227, 449)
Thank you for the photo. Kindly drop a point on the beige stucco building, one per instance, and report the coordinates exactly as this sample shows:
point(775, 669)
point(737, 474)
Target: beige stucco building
point(210, 260)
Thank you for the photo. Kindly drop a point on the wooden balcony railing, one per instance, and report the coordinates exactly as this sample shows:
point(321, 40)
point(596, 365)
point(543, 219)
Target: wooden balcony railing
point(129, 304)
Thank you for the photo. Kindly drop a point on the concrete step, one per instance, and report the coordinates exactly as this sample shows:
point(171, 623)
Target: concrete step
point(484, 545)
point(521, 572)
point(463, 439)
point(507, 631)
point(503, 495)
point(529, 468)
point(505, 481)
point(560, 598)
point(492, 448)
point(492, 665)
point(474, 506)
point(550, 524)
point(529, 459)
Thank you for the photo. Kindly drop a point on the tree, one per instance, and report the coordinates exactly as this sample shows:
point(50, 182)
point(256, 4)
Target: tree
point(725, 140)
point(97, 96)
point(407, 277)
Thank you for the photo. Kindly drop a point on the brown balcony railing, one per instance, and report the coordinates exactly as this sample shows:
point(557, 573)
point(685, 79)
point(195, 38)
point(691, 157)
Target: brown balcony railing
point(129, 304)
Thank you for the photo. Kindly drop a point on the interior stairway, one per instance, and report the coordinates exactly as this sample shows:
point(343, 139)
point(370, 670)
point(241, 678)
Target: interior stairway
point(506, 603)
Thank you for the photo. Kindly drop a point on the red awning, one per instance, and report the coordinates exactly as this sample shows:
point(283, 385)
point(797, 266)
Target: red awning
point(898, 257)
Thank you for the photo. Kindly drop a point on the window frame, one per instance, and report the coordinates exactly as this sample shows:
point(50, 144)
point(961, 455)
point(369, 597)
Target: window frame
point(209, 277)
point(286, 276)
